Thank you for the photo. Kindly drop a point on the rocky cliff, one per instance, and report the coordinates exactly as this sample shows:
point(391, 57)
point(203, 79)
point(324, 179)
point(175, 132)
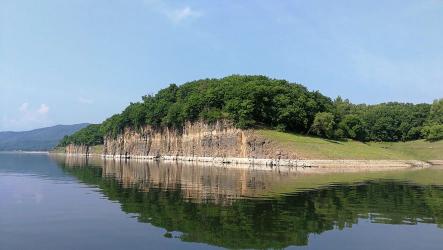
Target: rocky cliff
point(220, 140)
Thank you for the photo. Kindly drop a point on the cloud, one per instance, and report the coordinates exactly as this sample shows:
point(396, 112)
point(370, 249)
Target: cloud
point(179, 15)
point(176, 15)
point(44, 109)
point(24, 107)
point(84, 100)
point(27, 117)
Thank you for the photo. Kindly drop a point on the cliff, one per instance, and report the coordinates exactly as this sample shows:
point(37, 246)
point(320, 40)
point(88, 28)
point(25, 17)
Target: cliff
point(220, 139)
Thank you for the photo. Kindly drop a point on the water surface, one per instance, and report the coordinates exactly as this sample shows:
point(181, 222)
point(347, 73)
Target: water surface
point(73, 203)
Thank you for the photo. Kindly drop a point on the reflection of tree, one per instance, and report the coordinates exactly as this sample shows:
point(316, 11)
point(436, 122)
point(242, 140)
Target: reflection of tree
point(272, 222)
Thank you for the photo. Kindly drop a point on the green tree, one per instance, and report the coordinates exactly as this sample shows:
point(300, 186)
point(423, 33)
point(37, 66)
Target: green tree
point(436, 112)
point(353, 127)
point(433, 132)
point(88, 136)
point(323, 125)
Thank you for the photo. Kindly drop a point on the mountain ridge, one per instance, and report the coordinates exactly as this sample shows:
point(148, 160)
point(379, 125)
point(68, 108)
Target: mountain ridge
point(40, 139)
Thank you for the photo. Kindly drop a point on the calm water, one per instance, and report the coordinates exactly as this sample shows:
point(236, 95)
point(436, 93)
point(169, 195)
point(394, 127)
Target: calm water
point(65, 203)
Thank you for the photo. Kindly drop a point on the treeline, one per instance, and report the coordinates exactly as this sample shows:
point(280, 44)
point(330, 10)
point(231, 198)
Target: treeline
point(258, 101)
point(382, 122)
point(91, 135)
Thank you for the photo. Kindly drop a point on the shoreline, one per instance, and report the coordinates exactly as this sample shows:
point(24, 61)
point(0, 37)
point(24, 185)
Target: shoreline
point(274, 163)
point(24, 152)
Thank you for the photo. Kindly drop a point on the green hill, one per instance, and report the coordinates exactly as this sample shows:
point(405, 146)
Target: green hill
point(258, 101)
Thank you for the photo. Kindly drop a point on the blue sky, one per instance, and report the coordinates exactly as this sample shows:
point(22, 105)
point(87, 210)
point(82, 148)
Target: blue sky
point(72, 61)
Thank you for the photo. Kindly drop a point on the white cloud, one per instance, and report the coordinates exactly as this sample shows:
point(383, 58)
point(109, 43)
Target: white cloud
point(24, 107)
point(179, 15)
point(44, 109)
point(84, 100)
point(176, 15)
point(27, 117)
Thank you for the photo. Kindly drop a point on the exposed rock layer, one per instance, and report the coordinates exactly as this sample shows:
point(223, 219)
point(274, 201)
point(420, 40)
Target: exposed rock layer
point(220, 140)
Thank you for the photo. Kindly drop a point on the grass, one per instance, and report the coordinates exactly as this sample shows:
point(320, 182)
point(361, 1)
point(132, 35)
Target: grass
point(420, 149)
point(317, 148)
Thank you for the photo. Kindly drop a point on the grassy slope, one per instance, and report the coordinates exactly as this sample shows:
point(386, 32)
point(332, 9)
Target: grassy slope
point(317, 148)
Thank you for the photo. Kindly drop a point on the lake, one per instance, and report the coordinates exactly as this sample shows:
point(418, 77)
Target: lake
point(56, 202)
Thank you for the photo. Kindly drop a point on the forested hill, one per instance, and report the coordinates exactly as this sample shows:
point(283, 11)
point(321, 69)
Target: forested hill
point(38, 139)
point(259, 101)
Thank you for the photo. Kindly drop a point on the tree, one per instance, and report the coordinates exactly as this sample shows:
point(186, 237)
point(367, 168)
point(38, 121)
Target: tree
point(436, 112)
point(353, 127)
point(323, 125)
point(88, 136)
point(341, 108)
point(433, 132)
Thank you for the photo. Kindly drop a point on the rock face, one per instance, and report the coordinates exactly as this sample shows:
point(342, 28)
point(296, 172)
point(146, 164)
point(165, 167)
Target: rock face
point(220, 139)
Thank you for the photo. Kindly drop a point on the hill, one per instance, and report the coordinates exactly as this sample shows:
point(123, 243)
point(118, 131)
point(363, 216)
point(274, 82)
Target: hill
point(251, 102)
point(37, 140)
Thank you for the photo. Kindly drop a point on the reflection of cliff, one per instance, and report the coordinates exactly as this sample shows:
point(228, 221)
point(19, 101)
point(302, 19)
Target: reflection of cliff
point(253, 223)
point(197, 182)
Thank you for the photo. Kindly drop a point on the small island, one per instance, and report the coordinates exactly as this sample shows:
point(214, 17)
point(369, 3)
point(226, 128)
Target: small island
point(256, 120)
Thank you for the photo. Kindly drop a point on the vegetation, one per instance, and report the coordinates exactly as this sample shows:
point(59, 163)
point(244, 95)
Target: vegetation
point(433, 130)
point(323, 125)
point(382, 122)
point(258, 101)
point(91, 135)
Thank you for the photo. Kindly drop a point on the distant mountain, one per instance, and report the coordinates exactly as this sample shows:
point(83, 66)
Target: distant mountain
point(37, 140)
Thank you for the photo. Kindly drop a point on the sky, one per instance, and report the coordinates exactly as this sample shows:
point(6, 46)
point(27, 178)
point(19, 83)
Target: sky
point(74, 61)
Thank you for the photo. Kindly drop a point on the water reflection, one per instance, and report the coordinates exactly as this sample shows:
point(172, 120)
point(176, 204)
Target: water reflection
point(198, 183)
point(32, 164)
point(241, 208)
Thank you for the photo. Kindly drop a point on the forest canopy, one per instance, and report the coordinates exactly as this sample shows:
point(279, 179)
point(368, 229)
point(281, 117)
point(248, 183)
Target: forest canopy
point(259, 101)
